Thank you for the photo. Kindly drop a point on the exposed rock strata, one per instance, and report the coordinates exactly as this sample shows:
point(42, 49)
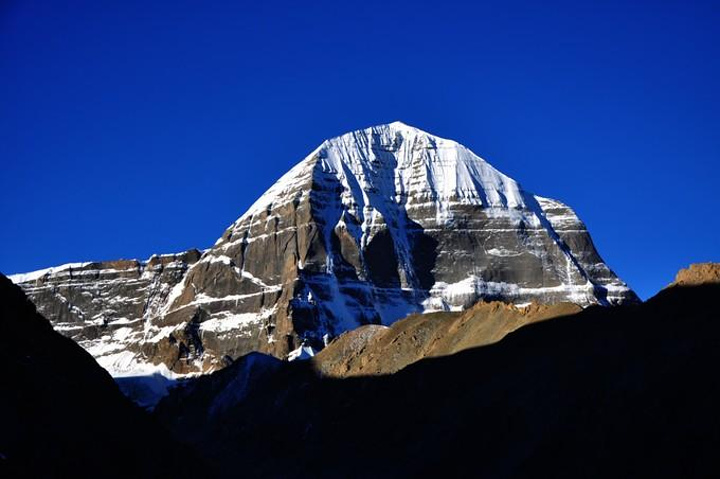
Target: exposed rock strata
point(107, 306)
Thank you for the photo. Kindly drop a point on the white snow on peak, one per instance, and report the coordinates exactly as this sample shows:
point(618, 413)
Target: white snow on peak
point(400, 160)
point(397, 162)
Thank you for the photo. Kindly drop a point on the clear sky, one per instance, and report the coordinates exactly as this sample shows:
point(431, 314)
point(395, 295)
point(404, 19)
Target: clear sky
point(147, 127)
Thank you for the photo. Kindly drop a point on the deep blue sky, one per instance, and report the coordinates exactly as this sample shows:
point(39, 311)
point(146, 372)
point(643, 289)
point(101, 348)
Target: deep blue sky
point(148, 127)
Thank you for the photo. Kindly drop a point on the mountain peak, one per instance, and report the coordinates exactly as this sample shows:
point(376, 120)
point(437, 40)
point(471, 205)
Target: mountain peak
point(402, 126)
point(395, 125)
point(400, 162)
point(392, 129)
point(371, 226)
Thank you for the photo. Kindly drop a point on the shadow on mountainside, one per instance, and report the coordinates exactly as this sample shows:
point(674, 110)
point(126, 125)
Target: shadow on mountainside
point(627, 391)
point(62, 415)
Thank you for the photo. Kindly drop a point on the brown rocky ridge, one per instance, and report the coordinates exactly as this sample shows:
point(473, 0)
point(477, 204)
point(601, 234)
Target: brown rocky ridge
point(375, 350)
point(698, 273)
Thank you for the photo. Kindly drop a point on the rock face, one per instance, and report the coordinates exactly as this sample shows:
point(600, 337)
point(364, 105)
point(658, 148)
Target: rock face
point(370, 227)
point(106, 306)
point(698, 273)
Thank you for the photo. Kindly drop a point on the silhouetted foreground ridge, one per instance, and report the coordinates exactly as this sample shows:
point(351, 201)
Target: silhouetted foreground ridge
point(61, 414)
point(609, 392)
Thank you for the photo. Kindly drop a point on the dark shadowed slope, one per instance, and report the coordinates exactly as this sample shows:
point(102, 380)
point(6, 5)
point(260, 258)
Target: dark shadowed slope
point(608, 392)
point(61, 415)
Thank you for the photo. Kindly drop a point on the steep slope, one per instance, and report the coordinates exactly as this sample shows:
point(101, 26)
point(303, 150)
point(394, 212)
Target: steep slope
point(61, 415)
point(607, 392)
point(372, 226)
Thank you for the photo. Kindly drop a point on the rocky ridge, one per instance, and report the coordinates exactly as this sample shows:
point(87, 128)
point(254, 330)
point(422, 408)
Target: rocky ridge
point(107, 306)
point(377, 350)
point(698, 273)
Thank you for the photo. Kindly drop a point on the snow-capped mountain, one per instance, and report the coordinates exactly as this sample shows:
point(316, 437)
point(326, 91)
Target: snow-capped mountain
point(371, 226)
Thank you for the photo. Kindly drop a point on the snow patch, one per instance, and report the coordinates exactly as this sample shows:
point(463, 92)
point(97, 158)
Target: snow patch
point(225, 322)
point(33, 275)
point(144, 383)
point(301, 353)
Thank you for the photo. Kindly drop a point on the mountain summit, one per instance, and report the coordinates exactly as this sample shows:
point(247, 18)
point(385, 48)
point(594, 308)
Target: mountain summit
point(379, 223)
point(371, 226)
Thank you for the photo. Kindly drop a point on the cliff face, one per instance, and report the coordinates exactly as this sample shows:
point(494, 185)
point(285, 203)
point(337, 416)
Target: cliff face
point(370, 227)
